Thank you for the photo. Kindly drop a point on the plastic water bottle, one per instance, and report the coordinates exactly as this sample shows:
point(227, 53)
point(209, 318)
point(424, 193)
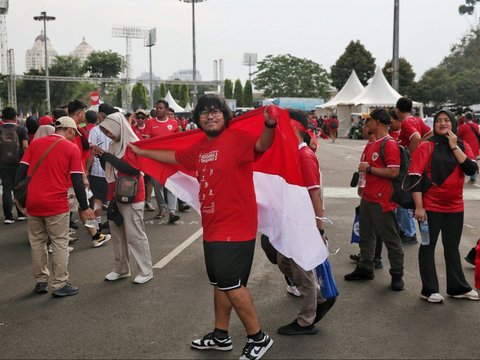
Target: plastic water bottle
point(424, 233)
point(362, 179)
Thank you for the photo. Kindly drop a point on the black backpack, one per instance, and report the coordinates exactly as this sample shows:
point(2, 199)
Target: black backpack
point(9, 145)
point(402, 197)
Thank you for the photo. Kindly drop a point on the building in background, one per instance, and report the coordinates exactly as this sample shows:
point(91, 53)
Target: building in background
point(35, 57)
point(185, 75)
point(82, 50)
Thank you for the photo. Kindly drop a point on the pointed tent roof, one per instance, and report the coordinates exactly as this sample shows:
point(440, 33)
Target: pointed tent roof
point(352, 88)
point(378, 92)
point(188, 108)
point(172, 103)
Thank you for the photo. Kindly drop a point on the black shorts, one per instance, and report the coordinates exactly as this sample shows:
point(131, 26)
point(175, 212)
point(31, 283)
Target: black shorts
point(228, 263)
point(99, 187)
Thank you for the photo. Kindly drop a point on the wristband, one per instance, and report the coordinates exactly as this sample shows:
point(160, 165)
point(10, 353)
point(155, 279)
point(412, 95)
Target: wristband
point(270, 126)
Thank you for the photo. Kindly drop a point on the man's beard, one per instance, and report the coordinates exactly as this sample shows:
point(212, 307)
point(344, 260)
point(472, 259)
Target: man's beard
point(213, 133)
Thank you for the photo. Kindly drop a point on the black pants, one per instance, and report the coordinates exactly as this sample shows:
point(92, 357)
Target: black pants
point(7, 175)
point(450, 224)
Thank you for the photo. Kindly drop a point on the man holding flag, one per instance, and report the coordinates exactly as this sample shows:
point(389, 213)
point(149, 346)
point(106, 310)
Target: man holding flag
point(223, 163)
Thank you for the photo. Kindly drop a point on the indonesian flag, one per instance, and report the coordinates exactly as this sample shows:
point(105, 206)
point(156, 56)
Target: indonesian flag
point(285, 211)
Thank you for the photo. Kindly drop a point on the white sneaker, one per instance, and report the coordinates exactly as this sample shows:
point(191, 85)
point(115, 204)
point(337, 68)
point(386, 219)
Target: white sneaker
point(292, 290)
point(101, 240)
point(433, 298)
point(21, 218)
point(471, 295)
point(140, 279)
point(70, 249)
point(115, 276)
point(49, 247)
point(8, 221)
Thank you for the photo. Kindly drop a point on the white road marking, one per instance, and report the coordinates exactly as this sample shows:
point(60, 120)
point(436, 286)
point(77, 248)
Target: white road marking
point(177, 251)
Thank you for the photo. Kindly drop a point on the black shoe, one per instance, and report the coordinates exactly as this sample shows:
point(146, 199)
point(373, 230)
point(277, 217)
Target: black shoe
point(295, 329)
point(254, 350)
point(323, 309)
point(172, 217)
point(407, 240)
point(73, 226)
point(66, 290)
point(359, 274)
point(378, 263)
point(355, 257)
point(184, 207)
point(210, 342)
point(41, 288)
point(397, 283)
point(470, 258)
point(105, 226)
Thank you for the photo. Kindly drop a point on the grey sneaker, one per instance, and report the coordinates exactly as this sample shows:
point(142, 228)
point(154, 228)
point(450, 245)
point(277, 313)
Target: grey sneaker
point(66, 290)
point(41, 288)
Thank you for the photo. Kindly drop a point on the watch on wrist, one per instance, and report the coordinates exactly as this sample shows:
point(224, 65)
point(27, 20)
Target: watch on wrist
point(270, 126)
point(368, 170)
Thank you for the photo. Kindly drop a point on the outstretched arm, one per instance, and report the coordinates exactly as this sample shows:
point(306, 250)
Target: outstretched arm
point(266, 139)
point(166, 156)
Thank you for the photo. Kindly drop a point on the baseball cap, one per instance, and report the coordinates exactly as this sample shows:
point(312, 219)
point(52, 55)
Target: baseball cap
point(381, 115)
point(66, 122)
point(143, 112)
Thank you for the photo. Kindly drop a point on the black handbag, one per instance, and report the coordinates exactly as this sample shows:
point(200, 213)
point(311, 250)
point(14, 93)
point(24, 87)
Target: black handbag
point(113, 213)
point(126, 188)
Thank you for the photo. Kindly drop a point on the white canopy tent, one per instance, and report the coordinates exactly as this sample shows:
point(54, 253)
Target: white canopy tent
point(378, 93)
point(350, 90)
point(172, 103)
point(188, 108)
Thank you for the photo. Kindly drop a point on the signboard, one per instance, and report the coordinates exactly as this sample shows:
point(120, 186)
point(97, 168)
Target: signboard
point(95, 98)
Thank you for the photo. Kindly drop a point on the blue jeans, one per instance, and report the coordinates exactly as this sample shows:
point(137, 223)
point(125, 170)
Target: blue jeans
point(405, 222)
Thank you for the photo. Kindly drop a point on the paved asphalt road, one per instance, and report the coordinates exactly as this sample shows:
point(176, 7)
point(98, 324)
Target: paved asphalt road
point(160, 318)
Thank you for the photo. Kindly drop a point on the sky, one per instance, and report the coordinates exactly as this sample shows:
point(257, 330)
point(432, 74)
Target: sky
point(318, 30)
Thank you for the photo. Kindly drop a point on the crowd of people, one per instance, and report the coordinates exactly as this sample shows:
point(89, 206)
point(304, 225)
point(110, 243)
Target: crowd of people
point(76, 161)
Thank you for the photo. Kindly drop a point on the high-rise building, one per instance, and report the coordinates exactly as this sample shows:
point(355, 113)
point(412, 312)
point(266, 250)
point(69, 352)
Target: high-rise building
point(35, 57)
point(185, 75)
point(82, 50)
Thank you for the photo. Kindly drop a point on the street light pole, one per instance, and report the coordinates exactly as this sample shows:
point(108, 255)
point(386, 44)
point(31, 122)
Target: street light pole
point(396, 60)
point(43, 17)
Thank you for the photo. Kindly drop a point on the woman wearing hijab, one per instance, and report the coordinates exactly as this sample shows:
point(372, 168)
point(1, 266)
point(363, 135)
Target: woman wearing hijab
point(44, 130)
point(128, 235)
point(443, 160)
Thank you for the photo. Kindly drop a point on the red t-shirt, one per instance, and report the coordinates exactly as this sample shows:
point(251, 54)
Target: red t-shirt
point(78, 140)
point(411, 126)
point(394, 134)
point(309, 167)
point(47, 190)
point(377, 189)
point(139, 131)
point(140, 188)
point(225, 175)
point(448, 197)
point(468, 132)
point(155, 127)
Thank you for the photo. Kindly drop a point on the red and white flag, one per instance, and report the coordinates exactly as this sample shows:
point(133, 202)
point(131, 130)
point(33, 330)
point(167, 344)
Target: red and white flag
point(285, 212)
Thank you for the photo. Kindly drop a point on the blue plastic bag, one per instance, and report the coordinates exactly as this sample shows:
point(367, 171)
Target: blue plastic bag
point(356, 226)
point(326, 280)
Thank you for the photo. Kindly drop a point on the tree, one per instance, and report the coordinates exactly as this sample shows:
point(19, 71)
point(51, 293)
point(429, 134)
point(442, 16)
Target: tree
point(117, 100)
point(163, 91)
point(228, 89)
point(64, 91)
point(434, 86)
point(468, 8)
point(184, 95)
point(175, 91)
point(238, 93)
point(31, 94)
point(355, 57)
point(103, 64)
point(248, 94)
point(287, 75)
point(139, 96)
point(406, 75)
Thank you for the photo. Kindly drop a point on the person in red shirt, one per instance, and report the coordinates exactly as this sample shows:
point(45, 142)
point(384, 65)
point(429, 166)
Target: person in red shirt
point(333, 127)
point(128, 235)
point(47, 203)
point(223, 161)
point(395, 125)
point(377, 214)
point(413, 129)
point(444, 160)
point(469, 133)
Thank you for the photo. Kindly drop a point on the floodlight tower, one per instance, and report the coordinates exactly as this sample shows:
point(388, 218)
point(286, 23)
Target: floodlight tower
point(129, 33)
point(12, 82)
point(150, 41)
point(250, 59)
point(3, 36)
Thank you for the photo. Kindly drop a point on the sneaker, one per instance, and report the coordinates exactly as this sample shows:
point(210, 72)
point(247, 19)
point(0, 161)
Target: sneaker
point(184, 207)
point(101, 240)
point(73, 226)
point(115, 276)
point(210, 342)
point(71, 231)
point(21, 218)
point(70, 249)
point(433, 298)
point(397, 283)
point(470, 258)
point(160, 215)
point(141, 279)
point(407, 240)
point(8, 221)
point(67, 290)
point(49, 248)
point(41, 288)
point(71, 240)
point(292, 290)
point(471, 295)
point(323, 309)
point(172, 217)
point(254, 350)
point(378, 263)
point(148, 206)
point(359, 274)
point(294, 328)
point(355, 257)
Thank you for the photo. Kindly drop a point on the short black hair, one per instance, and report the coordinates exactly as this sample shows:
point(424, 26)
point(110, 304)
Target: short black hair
point(404, 104)
point(393, 114)
point(107, 109)
point(299, 116)
point(75, 105)
point(91, 117)
point(58, 113)
point(153, 113)
point(9, 113)
point(209, 102)
point(381, 115)
point(162, 101)
point(171, 110)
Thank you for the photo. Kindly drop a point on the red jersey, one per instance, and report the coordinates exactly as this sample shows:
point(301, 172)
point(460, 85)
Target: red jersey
point(309, 167)
point(377, 189)
point(85, 153)
point(225, 174)
point(155, 127)
point(468, 132)
point(394, 134)
point(140, 189)
point(411, 126)
point(47, 190)
point(448, 197)
point(183, 123)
